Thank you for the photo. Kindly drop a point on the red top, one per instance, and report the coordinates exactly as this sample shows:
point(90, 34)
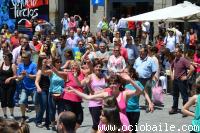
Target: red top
point(32, 4)
point(131, 25)
point(159, 44)
point(38, 47)
point(197, 60)
point(14, 41)
point(139, 25)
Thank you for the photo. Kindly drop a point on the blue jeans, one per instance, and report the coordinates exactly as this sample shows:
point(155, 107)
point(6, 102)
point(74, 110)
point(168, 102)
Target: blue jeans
point(24, 96)
point(43, 106)
point(52, 106)
point(179, 86)
point(122, 31)
point(17, 92)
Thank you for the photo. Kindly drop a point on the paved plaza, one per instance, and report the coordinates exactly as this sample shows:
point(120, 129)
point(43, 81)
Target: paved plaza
point(159, 121)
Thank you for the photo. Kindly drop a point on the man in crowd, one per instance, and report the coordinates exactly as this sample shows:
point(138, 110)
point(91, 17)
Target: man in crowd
point(65, 24)
point(171, 40)
point(146, 68)
point(66, 122)
point(26, 73)
point(132, 50)
point(71, 40)
point(180, 76)
point(16, 52)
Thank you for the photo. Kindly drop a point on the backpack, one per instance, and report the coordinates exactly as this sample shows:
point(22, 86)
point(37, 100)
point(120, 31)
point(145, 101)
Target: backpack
point(157, 93)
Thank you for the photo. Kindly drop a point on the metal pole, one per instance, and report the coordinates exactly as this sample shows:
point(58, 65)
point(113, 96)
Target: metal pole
point(105, 8)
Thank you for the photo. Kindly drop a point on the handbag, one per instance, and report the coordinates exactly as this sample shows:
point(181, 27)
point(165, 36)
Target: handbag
point(157, 93)
point(192, 79)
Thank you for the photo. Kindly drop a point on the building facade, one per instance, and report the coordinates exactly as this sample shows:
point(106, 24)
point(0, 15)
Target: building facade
point(93, 13)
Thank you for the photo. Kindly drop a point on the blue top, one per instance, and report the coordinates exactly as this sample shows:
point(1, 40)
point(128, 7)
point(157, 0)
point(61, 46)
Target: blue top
point(132, 51)
point(133, 102)
point(78, 52)
point(196, 120)
point(56, 84)
point(145, 67)
point(28, 83)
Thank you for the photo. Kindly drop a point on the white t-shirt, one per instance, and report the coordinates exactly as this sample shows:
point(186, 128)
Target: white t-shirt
point(171, 42)
point(178, 33)
point(1, 56)
point(38, 28)
point(146, 26)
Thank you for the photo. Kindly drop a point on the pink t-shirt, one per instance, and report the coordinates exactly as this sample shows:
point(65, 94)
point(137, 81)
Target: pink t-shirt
point(197, 60)
point(72, 82)
point(72, 25)
point(120, 100)
point(121, 103)
point(96, 85)
point(124, 121)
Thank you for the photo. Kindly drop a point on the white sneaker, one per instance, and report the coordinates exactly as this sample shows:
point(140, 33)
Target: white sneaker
point(11, 117)
point(5, 116)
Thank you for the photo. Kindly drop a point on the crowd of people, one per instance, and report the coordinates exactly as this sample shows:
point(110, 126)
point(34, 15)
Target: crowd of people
point(110, 69)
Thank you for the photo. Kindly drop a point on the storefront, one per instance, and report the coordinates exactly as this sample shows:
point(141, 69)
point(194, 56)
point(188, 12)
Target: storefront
point(128, 7)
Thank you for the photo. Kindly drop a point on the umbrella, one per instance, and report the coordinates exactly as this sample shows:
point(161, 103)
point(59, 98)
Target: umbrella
point(184, 12)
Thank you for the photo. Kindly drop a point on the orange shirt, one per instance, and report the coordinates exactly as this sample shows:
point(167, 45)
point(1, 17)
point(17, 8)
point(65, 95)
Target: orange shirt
point(38, 47)
point(14, 41)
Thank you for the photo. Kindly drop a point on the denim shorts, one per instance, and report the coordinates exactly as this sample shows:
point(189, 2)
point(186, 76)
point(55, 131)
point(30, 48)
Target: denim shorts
point(25, 94)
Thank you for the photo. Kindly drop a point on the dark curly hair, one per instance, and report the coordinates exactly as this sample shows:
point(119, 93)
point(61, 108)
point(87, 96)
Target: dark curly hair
point(10, 56)
point(97, 62)
point(116, 79)
point(133, 73)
